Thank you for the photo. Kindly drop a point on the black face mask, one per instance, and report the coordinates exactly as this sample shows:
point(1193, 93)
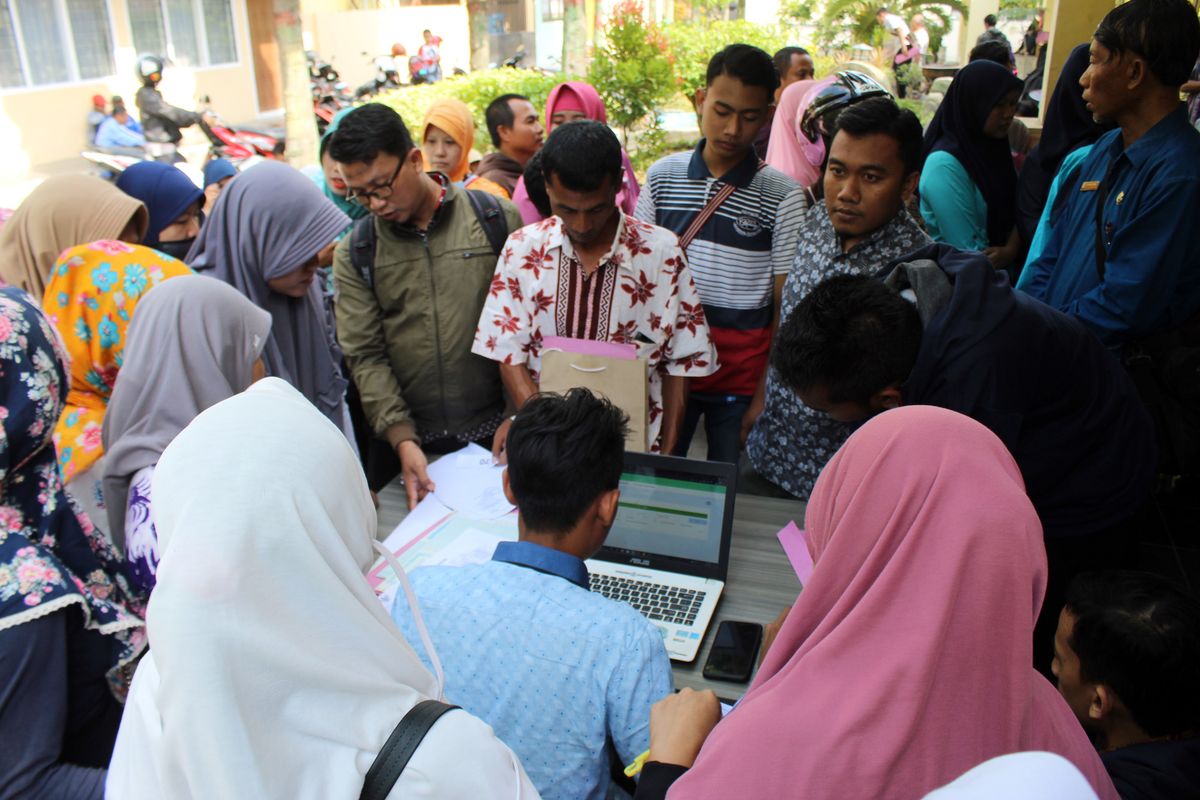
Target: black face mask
point(178, 249)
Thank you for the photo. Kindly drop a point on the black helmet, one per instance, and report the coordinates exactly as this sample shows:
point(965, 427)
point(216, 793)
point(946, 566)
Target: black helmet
point(149, 69)
point(847, 89)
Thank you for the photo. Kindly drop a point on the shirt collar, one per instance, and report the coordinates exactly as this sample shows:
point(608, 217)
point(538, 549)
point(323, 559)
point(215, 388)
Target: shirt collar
point(408, 229)
point(889, 235)
point(740, 176)
point(1166, 130)
point(617, 254)
point(543, 559)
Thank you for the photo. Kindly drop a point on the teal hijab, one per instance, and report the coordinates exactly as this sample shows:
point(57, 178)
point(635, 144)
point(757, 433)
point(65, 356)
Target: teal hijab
point(349, 207)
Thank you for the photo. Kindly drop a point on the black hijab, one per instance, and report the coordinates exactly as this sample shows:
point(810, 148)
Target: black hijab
point(957, 128)
point(1068, 124)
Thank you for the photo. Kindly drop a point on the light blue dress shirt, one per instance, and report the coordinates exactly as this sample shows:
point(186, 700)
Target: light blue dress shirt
point(555, 669)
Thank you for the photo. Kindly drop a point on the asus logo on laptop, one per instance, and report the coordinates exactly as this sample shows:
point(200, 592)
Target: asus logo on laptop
point(641, 562)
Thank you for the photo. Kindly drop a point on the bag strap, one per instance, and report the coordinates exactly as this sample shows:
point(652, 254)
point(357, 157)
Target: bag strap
point(491, 217)
point(399, 748)
point(1101, 199)
point(362, 249)
point(709, 209)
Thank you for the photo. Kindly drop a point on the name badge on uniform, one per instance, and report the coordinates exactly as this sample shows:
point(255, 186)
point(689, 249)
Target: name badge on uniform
point(1089, 186)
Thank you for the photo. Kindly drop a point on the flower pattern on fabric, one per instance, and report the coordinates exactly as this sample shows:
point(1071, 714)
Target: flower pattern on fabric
point(51, 556)
point(141, 537)
point(790, 443)
point(643, 306)
point(90, 299)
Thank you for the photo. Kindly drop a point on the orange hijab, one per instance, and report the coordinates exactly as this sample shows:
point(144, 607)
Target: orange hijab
point(453, 117)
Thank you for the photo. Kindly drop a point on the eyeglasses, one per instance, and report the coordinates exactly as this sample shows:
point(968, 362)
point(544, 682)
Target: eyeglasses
point(364, 198)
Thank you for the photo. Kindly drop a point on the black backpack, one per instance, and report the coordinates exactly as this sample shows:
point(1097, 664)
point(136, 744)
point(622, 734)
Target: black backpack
point(487, 211)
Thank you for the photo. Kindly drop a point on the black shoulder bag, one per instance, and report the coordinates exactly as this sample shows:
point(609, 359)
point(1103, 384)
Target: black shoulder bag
point(399, 748)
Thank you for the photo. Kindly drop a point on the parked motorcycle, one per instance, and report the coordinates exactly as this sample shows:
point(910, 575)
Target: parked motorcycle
point(330, 93)
point(239, 144)
point(386, 77)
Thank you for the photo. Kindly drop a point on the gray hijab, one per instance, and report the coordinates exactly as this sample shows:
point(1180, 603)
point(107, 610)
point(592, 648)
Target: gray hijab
point(266, 224)
point(188, 347)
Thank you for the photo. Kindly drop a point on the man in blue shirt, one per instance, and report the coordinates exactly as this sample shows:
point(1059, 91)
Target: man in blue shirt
point(556, 670)
point(1144, 177)
point(120, 130)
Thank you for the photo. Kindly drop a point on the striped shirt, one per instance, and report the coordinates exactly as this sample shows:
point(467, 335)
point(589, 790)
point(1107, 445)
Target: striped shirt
point(736, 255)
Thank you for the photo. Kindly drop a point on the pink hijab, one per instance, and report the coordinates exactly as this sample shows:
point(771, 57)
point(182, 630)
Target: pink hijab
point(907, 659)
point(790, 151)
point(583, 96)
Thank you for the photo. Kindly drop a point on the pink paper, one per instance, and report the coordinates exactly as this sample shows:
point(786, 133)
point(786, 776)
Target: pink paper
point(795, 545)
point(588, 347)
point(373, 577)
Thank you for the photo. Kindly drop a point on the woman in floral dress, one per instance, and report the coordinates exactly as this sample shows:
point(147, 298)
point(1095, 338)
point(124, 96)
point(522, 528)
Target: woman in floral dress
point(90, 299)
point(68, 631)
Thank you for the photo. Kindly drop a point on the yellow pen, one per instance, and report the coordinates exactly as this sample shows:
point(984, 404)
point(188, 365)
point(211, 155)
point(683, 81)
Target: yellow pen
point(636, 766)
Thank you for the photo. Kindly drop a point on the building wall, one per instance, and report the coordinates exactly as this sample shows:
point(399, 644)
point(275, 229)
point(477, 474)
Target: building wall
point(344, 36)
point(46, 124)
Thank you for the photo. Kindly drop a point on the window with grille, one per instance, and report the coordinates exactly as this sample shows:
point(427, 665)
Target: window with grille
point(44, 42)
point(191, 33)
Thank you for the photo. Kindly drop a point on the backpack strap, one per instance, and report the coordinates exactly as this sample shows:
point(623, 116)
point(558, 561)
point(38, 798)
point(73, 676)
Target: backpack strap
point(362, 249)
point(491, 216)
point(399, 748)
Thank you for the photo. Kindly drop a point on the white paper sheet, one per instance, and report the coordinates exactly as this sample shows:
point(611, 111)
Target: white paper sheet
point(468, 482)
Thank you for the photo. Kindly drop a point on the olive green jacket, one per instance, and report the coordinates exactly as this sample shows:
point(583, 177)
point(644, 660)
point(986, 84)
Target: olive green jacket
point(407, 340)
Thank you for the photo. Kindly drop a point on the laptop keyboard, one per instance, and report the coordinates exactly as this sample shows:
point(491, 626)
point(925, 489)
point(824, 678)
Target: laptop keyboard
point(655, 600)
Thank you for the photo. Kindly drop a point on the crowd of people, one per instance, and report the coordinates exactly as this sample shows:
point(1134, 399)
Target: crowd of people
point(973, 376)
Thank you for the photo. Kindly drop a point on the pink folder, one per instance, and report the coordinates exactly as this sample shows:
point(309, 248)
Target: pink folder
point(795, 545)
point(624, 352)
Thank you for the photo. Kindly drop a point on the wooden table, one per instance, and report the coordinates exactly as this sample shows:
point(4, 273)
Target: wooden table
point(761, 582)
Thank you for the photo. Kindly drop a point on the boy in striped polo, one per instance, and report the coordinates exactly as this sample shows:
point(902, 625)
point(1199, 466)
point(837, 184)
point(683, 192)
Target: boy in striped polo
point(737, 221)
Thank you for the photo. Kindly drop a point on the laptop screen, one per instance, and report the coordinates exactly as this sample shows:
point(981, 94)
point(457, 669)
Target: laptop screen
point(673, 508)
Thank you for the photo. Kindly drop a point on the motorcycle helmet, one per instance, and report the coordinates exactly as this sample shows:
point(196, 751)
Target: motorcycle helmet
point(848, 88)
point(149, 69)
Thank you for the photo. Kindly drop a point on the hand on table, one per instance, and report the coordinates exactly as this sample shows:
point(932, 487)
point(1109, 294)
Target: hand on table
point(500, 441)
point(679, 724)
point(414, 469)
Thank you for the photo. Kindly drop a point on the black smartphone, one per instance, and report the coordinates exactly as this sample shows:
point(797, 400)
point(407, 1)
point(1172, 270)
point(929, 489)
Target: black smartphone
point(733, 651)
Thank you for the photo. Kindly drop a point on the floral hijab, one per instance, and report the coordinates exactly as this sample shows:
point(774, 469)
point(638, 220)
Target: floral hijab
point(90, 299)
point(50, 555)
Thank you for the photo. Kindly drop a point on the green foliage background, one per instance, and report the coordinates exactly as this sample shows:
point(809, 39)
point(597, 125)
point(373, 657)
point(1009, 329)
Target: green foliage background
point(476, 89)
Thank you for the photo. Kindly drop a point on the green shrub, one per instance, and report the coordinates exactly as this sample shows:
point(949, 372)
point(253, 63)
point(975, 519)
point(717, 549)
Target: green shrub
point(476, 89)
point(693, 43)
point(632, 70)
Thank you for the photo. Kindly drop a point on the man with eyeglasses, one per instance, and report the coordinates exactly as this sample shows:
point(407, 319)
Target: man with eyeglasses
point(407, 324)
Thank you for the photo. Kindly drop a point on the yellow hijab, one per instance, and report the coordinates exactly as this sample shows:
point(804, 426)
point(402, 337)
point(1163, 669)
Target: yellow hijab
point(90, 300)
point(453, 117)
point(62, 212)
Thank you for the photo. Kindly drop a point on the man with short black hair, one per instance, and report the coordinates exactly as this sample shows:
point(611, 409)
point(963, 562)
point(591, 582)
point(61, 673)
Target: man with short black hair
point(407, 297)
point(1125, 656)
point(516, 133)
point(874, 164)
point(591, 272)
point(555, 669)
point(793, 64)
point(991, 33)
point(1124, 254)
point(736, 220)
point(943, 328)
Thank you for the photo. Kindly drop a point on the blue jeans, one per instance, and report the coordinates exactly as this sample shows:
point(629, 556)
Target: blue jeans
point(722, 424)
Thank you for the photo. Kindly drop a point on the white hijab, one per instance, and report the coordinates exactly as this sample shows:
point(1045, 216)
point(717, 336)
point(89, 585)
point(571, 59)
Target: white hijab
point(275, 672)
point(1032, 775)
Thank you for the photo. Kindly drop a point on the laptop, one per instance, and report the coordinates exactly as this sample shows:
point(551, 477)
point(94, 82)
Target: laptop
point(667, 553)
